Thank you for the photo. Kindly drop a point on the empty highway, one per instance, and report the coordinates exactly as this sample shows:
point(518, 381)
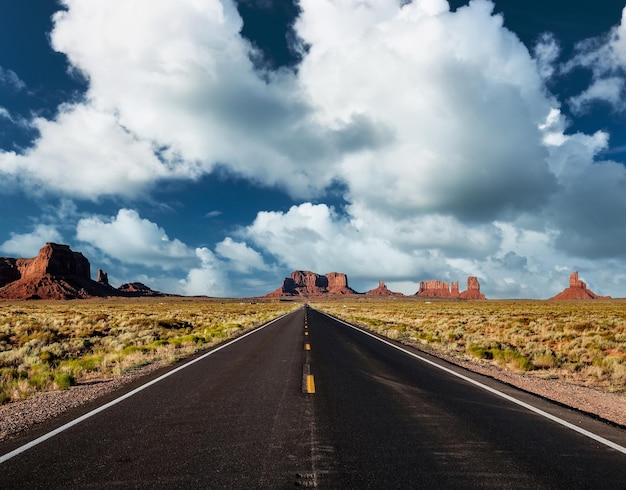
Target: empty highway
point(310, 401)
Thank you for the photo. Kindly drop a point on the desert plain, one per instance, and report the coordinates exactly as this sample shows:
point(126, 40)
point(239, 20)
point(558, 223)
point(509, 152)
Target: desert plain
point(573, 352)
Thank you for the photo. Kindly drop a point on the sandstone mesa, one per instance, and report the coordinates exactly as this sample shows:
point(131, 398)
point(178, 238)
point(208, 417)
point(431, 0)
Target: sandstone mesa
point(307, 284)
point(441, 289)
point(57, 272)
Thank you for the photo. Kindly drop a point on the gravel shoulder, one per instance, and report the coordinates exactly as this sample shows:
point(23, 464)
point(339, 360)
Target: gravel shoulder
point(17, 417)
point(603, 404)
point(20, 416)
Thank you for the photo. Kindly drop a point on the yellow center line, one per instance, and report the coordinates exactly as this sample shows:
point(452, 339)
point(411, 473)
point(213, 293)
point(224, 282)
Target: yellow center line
point(310, 384)
point(307, 346)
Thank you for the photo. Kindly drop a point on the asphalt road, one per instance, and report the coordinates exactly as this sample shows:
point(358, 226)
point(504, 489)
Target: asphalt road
point(378, 418)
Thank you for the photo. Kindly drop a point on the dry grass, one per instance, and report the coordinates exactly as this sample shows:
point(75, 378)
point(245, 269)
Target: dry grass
point(579, 342)
point(46, 345)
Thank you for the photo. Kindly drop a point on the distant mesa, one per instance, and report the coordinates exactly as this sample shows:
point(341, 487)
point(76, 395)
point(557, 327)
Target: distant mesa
point(137, 289)
point(441, 289)
point(57, 273)
point(308, 284)
point(577, 290)
point(382, 290)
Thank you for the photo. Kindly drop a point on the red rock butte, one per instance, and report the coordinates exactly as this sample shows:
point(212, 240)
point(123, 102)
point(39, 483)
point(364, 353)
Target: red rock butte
point(309, 284)
point(577, 290)
point(441, 289)
point(56, 273)
point(382, 290)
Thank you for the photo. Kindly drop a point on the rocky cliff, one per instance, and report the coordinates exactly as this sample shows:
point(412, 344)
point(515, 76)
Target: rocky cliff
point(382, 290)
point(438, 289)
point(309, 284)
point(577, 290)
point(441, 289)
point(473, 289)
point(56, 272)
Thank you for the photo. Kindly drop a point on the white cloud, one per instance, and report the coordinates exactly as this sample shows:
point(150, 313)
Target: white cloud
point(546, 53)
point(84, 152)
point(209, 279)
point(605, 56)
point(10, 79)
point(365, 246)
point(609, 90)
point(241, 257)
point(444, 85)
point(27, 245)
point(131, 239)
point(439, 125)
point(189, 90)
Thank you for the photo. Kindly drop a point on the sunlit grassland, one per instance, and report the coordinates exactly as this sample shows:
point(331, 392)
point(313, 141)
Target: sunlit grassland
point(580, 342)
point(46, 345)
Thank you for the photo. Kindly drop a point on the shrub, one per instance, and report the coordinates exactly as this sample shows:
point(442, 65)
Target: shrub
point(479, 352)
point(64, 380)
point(47, 356)
point(545, 361)
point(41, 380)
point(4, 397)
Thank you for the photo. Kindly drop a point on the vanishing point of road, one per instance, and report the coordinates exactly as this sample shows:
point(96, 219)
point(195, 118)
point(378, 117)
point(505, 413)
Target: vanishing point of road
point(310, 401)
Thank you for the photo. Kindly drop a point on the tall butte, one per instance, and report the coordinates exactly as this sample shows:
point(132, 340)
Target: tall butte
point(577, 290)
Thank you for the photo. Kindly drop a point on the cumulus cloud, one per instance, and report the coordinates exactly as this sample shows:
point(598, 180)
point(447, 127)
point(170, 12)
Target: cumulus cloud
point(609, 90)
point(454, 157)
point(86, 153)
point(241, 257)
point(174, 266)
point(605, 57)
point(28, 244)
point(547, 51)
point(129, 238)
point(509, 260)
point(367, 247)
point(208, 279)
point(444, 85)
point(174, 99)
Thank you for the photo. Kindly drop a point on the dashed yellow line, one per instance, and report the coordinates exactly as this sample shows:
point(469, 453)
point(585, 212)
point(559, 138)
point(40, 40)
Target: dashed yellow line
point(310, 384)
point(307, 346)
point(306, 334)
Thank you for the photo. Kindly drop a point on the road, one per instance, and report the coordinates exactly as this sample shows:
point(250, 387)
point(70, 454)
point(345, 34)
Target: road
point(376, 417)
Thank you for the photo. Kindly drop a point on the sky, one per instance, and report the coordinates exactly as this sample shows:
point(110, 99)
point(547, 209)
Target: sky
point(210, 147)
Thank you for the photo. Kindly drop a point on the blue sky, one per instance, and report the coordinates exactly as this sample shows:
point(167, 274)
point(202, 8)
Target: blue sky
point(211, 147)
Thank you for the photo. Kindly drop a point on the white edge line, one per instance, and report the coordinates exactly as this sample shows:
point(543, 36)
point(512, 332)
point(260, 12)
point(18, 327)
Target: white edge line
point(527, 406)
point(84, 417)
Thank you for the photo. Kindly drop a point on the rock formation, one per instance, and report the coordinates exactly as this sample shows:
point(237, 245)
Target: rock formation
point(138, 289)
point(56, 272)
point(309, 284)
point(438, 289)
point(473, 289)
point(382, 290)
point(103, 278)
point(441, 289)
point(577, 290)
